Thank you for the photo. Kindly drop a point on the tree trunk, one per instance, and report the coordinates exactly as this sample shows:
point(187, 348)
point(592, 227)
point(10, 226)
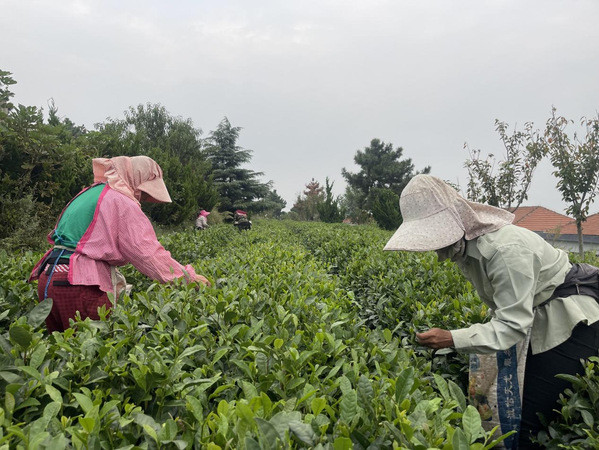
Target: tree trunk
point(580, 246)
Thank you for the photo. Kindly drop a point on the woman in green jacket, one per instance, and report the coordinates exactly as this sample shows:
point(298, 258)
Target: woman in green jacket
point(515, 273)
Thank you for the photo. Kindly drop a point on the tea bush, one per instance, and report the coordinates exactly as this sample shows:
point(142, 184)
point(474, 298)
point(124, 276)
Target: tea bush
point(578, 426)
point(304, 340)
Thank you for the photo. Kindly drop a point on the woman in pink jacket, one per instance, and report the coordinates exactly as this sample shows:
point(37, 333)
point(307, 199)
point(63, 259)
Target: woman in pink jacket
point(101, 228)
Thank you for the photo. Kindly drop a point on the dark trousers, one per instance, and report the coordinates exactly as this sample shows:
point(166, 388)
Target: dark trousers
point(68, 299)
point(542, 389)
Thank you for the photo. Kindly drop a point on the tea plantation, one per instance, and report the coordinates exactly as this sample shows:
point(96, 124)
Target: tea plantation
point(304, 340)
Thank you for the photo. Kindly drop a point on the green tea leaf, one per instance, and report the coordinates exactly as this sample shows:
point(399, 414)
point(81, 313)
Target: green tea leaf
point(195, 406)
point(587, 417)
point(51, 410)
point(262, 362)
point(471, 423)
point(387, 335)
point(348, 406)
point(26, 404)
point(251, 444)
point(343, 443)
point(38, 314)
point(244, 412)
point(38, 355)
point(249, 390)
point(266, 403)
point(20, 335)
point(318, 405)
point(143, 419)
point(344, 384)
point(460, 441)
point(54, 393)
point(87, 423)
point(403, 384)
point(302, 431)
point(9, 402)
point(268, 434)
point(457, 394)
point(5, 344)
point(10, 377)
point(151, 432)
point(58, 442)
point(365, 390)
point(442, 386)
point(169, 430)
point(108, 407)
point(33, 373)
point(84, 401)
point(219, 354)
point(191, 350)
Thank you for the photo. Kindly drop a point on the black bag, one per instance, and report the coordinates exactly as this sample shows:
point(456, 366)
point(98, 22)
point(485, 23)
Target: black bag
point(583, 279)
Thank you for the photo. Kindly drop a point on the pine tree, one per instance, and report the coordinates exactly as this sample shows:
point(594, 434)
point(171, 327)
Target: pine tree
point(238, 187)
point(381, 167)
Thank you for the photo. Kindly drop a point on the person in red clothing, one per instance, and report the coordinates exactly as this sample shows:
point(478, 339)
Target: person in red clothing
point(101, 228)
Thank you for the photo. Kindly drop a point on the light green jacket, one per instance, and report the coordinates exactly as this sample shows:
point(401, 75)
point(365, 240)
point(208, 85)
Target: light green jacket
point(514, 270)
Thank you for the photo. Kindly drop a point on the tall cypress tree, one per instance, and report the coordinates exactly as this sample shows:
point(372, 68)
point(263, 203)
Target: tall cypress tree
point(238, 187)
point(328, 209)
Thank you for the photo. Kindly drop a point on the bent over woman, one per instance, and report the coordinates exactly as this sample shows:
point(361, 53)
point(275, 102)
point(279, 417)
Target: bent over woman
point(101, 228)
point(519, 276)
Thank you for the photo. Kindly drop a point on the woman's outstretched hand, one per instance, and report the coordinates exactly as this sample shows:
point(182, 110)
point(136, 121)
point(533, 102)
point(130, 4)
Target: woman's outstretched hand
point(435, 338)
point(202, 279)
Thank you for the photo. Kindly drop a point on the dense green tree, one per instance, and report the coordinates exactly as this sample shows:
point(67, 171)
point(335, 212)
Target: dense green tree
point(576, 165)
point(351, 202)
point(385, 209)
point(175, 144)
point(68, 130)
point(159, 129)
point(507, 188)
point(43, 160)
point(329, 210)
point(42, 165)
point(381, 167)
point(189, 190)
point(270, 206)
point(238, 187)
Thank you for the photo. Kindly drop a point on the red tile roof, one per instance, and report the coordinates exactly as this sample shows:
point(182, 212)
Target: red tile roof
point(589, 228)
point(539, 218)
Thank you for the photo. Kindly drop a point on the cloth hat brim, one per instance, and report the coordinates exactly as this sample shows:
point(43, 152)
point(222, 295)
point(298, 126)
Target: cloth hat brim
point(430, 233)
point(156, 191)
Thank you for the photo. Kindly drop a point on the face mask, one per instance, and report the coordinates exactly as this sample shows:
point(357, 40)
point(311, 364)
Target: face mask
point(453, 251)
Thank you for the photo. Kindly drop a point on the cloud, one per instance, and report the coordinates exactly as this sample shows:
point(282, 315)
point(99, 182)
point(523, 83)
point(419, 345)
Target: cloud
point(313, 81)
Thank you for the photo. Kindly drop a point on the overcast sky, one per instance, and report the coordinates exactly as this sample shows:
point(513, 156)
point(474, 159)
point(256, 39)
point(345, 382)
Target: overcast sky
point(312, 81)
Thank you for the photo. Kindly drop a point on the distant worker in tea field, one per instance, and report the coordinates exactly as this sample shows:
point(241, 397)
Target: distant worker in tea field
point(202, 220)
point(241, 220)
point(101, 228)
point(544, 310)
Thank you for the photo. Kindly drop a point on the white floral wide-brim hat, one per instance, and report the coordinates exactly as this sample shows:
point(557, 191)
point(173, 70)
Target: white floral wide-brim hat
point(436, 216)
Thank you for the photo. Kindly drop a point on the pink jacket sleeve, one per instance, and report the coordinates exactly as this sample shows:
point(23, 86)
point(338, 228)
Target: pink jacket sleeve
point(138, 244)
